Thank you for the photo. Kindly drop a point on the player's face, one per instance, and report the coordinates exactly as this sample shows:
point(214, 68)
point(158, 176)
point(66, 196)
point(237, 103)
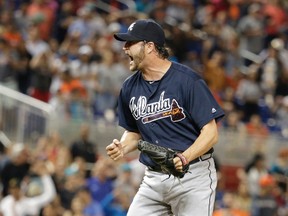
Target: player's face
point(136, 53)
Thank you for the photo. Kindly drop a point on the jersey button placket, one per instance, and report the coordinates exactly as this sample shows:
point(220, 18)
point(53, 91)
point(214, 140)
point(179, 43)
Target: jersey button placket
point(153, 132)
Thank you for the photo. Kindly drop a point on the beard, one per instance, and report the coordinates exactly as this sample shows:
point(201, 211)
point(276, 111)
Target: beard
point(135, 63)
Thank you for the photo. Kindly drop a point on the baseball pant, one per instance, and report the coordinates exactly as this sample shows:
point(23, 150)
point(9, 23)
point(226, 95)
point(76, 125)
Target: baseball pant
point(192, 195)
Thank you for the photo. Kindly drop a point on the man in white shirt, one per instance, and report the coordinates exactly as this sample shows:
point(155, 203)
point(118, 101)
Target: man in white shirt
point(18, 204)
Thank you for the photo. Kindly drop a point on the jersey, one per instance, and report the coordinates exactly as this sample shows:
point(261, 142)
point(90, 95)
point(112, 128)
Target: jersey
point(170, 112)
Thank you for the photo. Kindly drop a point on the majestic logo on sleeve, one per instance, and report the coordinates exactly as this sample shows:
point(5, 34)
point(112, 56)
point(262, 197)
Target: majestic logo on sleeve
point(163, 108)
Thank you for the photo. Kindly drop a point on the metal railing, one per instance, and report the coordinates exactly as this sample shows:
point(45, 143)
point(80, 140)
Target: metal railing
point(22, 118)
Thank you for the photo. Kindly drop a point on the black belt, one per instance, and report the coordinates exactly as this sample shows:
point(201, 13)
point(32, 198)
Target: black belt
point(196, 160)
point(201, 158)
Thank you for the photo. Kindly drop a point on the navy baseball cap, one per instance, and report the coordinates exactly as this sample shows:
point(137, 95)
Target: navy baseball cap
point(143, 29)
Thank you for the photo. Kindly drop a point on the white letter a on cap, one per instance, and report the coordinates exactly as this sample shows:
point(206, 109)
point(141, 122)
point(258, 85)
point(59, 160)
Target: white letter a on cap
point(131, 26)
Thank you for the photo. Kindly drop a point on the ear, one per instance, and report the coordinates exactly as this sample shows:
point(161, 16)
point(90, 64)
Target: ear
point(150, 47)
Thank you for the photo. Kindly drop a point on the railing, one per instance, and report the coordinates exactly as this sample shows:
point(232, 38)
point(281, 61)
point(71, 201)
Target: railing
point(22, 118)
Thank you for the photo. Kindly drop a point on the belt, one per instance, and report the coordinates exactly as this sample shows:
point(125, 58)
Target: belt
point(201, 158)
point(196, 160)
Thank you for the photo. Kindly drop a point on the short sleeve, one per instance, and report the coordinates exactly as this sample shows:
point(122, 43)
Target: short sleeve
point(126, 120)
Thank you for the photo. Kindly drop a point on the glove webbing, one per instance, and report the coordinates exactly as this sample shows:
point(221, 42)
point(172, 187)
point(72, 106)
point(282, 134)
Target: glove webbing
point(145, 146)
point(164, 158)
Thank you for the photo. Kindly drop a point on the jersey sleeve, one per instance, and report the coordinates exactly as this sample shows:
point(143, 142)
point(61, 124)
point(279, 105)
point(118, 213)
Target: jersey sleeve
point(202, 105)
point(126, 120)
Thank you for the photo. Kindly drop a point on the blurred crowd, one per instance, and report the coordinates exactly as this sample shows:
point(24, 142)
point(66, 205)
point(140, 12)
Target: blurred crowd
point(261, 189)
point(53, 178)
point(56, 178)
point(62, 52)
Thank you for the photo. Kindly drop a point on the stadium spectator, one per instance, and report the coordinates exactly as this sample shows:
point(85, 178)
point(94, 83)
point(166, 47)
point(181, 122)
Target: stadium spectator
point(34, 43)
point(276, 17)
point(91, 207)
point(232, 122)
point(83, 147)
point(248, 93)
point(64, 17)
point(264, 204)
point(53, 209)
point(281, 116)
point(42, 14)
point(11, 34)
point(83, 67)
point(86, 25)
point(255, 170)
point(41, 77)
point(6, 74)
point(102, 179)
point(279, 169)
point(256, 127)
point(70, 84)
point(242, 198)
point(251, 30)
point(18, 202)
point(214, 68)
point(282, 86)
point(77, 207)
point(60, 64)
point(117, 202)
point(228, 100)
point(73, 181)
point(17, 167)
point(20, 59)
point(229, 207)
point(21, 19)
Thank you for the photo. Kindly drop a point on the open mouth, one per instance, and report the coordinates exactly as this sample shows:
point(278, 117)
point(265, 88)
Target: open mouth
point(131, 59)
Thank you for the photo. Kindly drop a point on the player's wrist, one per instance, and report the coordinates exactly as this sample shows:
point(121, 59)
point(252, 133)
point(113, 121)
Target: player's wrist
point(183, 159)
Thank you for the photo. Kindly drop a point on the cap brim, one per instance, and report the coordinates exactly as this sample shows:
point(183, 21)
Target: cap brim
point(125, 37)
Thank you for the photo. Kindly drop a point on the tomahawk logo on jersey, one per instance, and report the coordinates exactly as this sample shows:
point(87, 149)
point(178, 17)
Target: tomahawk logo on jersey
point(150, 112)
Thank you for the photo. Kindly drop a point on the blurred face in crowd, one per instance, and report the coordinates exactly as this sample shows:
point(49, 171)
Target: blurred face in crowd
point(67, 6)
point(243, 189)
point(15, 189)
point(49, 210)
point(103, 169)
point(260, 164)
point(33, 33)
point(77, 205)
point(15, 192)
point(233, 119)
point(5, 17)
point(22, 157)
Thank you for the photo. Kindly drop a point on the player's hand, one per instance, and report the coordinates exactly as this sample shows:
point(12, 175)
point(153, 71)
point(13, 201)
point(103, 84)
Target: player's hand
point(180, 161)
point(115, 150)
point(178, 164)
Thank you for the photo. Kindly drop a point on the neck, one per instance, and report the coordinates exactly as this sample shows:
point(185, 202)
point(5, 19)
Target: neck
point(156, 69)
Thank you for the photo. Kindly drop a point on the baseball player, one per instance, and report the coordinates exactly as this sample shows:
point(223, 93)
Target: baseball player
point(167, 104)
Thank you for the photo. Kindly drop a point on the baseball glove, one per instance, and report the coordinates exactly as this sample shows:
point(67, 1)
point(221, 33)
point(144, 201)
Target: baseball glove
point(164, 158)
